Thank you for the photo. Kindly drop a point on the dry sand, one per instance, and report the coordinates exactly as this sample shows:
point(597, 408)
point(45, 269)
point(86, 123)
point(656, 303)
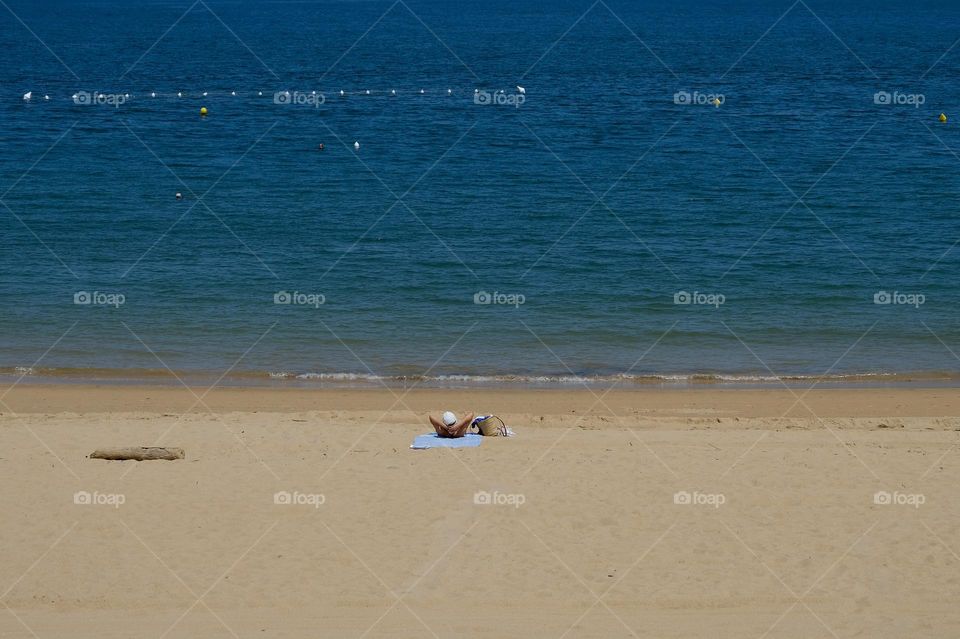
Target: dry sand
point(786, 542)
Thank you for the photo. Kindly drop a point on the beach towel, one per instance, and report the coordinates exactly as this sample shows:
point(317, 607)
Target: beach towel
point(431, 440)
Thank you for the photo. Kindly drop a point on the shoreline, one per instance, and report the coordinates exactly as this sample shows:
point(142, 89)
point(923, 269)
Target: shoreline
point(559, 381)
point(535, 404)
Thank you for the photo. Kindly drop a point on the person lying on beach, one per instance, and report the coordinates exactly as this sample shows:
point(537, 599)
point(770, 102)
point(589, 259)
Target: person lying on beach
point(448, 426)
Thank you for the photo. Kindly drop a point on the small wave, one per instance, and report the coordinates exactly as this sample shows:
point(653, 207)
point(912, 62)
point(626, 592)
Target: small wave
point(626, 380)
point(466, 380)
point(345, 377)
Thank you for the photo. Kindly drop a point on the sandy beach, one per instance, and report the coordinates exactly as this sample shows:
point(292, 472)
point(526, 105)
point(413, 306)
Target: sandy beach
point(651, 513)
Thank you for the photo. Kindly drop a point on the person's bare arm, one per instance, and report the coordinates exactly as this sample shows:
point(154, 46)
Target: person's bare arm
point(461, 427)
point(438, 426)
point(455, 430)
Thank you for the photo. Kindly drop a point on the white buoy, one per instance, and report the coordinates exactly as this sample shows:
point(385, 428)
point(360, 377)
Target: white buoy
point(74, 97)
point(421, 91)
point(46, 97)
point(476, 90)
point(341, 91)
point(126, 96)
point(233, 93)
point(179, 195)
point(449, 91)
point(28, 96)
point(153, 94)
point(521, 90)
point(356, 145)
point(179, 94)
point(260, 93)
point(204, 94)
point(393, 92)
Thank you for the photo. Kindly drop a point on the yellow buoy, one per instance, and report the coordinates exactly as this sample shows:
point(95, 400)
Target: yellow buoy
point(716, 102)
point(943, 117)
point(203, 110)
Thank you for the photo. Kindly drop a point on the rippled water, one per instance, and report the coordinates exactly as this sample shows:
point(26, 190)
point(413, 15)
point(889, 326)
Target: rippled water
point(584, 208)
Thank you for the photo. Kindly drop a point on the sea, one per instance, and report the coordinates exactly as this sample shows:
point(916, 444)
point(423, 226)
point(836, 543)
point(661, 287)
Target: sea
point(462, 193)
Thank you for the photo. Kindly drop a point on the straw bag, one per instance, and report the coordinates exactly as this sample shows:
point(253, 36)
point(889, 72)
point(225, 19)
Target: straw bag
point(490, 426)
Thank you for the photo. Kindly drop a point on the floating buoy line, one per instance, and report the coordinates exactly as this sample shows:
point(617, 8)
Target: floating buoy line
point(116, 98)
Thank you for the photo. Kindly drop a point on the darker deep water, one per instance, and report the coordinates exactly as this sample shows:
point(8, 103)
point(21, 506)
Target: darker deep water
point(599, 199)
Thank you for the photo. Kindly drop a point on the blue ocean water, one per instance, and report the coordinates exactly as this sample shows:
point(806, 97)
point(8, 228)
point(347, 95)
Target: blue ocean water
point(583, 209)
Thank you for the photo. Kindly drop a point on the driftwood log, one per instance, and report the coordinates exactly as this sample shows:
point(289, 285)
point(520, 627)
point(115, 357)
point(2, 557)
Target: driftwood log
point(138, 453)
